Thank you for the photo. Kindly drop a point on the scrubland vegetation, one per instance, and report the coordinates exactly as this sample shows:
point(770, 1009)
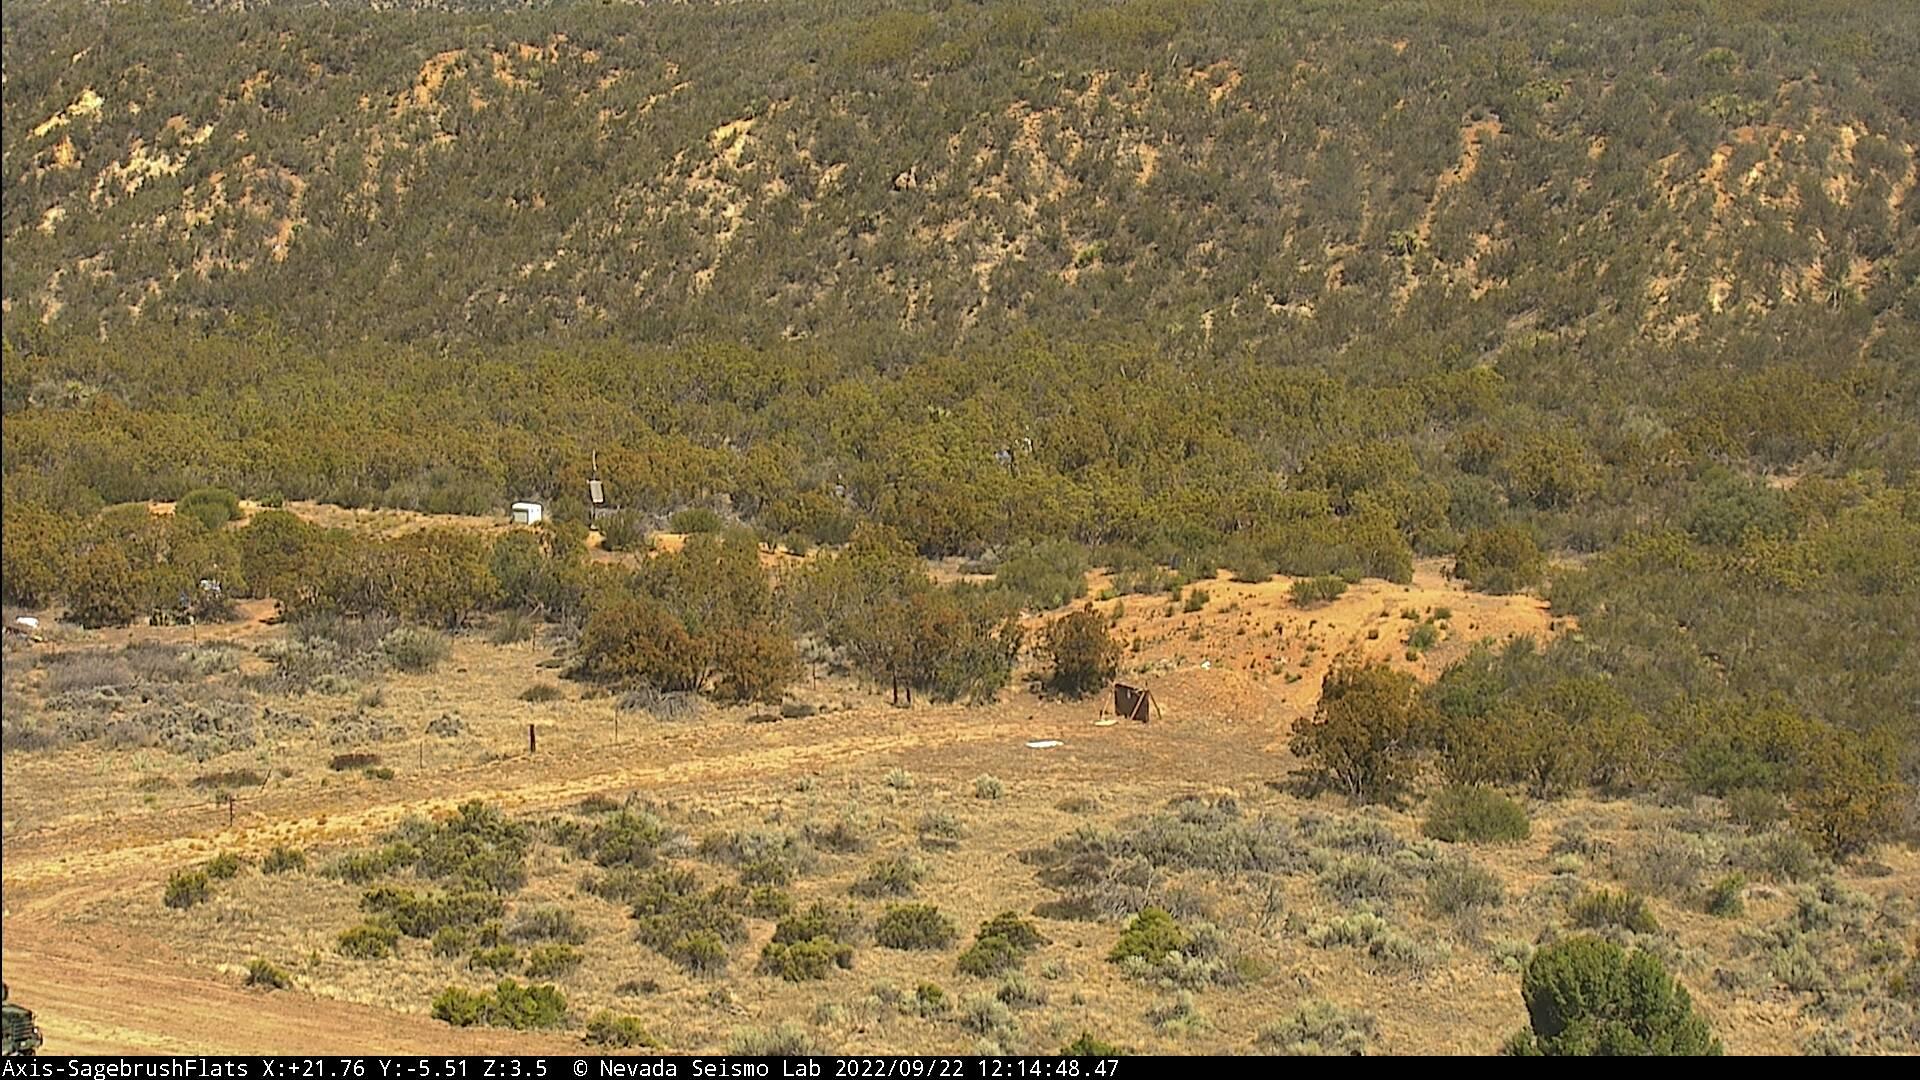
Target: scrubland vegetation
point(889, 329)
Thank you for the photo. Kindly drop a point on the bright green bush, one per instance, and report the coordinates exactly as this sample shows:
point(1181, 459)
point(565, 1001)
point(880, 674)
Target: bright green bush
point(1586, 997)
point(1150, 936)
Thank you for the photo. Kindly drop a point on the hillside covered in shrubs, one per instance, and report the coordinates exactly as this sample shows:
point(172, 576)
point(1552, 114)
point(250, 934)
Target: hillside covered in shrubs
point(1616, 301)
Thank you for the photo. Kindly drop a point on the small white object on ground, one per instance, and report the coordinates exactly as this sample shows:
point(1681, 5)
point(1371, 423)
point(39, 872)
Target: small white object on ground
point(1043, 744)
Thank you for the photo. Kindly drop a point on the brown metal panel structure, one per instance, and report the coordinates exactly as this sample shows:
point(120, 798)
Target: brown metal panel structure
point(1133, 702)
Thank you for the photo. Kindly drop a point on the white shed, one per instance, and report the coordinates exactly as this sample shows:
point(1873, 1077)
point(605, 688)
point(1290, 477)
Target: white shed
point(527, 513)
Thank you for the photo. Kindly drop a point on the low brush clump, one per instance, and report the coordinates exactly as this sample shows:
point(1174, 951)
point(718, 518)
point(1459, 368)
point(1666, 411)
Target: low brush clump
point(1605, 909)
point(1475, 815)
point(283, 860)
point(897, 876)
point(187, 888)
point(1156, 948)
point(265, 975)
point(368, 941)
point(914, 926)
point(1318, 1028)
point(507, 1005)
point(694, 927)
point(810, 945)
point(616, 1032)
point(1002, 944)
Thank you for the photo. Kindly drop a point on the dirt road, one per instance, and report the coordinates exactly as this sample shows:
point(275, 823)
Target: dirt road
point(99, 990)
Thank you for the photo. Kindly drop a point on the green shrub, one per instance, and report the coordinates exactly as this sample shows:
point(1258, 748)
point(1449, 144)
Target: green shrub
point(699, 951)
point(552, 960)
point(421, 915)
point(695, 519)
point(990, 956)
point(548, 924)
point(282, 860)
point(224, 866)
point(1317, 590)
point(360, 867)
point(616, 1032)
point(896, 876)
point(1045, 575)
point(624, 530)
point(211, 507)
point(1000, 946)
point(1082, 651)
point(769, 902)
point(1755, 808)
point(1475, 815)
point(625, 838)
point(461, 1008)
point(1017, 993)
point(988, 787)
point(800, 961)
point(1726, 897)
point(265, 975)
point(187, 888)
point(930, 1000)
point(415, 649)
point(767, 870)
point(914, 926)
point(1500, 560)
point(1364, 730)
point(1150, 936)
point(1605, 908)
point(477, 847)
point(508, 1005)
point(368, 941)
point(810, 944)
point(1587, 997)
point(676, 918)
point(451, 941)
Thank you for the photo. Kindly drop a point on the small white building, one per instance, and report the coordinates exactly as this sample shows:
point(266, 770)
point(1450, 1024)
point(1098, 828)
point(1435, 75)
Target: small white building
point(527, 513)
